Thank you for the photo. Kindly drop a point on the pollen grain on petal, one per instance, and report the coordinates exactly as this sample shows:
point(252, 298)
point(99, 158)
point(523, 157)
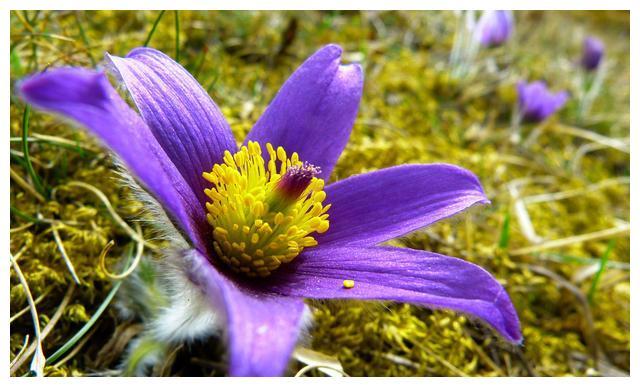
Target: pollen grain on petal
point(348, 284)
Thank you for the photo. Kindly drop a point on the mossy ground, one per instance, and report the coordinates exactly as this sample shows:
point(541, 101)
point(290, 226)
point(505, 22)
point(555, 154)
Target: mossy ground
point(575, 317)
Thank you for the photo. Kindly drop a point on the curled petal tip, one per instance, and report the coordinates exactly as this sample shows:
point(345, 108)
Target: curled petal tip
point(332, 48)
point(52, 86)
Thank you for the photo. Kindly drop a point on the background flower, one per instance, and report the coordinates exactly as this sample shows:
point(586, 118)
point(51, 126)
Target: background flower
point(494, 28)
point(592, 53)
point(536, 102)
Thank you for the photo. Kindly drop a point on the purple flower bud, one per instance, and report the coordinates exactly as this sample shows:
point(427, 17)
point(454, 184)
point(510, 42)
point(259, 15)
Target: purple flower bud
point(536, 102)
point(297, 178)
point(592, 53)
point(494, 28)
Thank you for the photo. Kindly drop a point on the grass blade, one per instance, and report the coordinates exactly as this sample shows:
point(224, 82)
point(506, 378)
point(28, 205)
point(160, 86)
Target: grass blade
point(25, 149)
point(603, 265)
point(83, 331)
point(177, 18)
point(84, 38)
point(503, 243)
point(153, 29)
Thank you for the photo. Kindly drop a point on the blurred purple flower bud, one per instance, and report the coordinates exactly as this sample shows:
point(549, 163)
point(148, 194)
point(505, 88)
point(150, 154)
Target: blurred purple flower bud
point(536, 102)
point(494, 28)
point(592, 53)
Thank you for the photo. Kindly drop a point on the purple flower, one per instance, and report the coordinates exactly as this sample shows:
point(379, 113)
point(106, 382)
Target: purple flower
point(592, 53)
point(536, 102)
point(494, 28)
point(263, 244)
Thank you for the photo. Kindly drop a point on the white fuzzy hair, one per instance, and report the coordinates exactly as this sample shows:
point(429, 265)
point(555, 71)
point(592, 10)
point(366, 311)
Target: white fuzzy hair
point(188, 315)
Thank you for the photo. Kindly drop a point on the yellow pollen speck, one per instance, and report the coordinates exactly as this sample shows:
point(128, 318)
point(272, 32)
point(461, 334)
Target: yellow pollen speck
point(348, 284)
point(249, 233)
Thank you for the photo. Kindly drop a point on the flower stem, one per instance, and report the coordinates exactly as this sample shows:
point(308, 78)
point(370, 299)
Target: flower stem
point(153, 29)
point(177, 20)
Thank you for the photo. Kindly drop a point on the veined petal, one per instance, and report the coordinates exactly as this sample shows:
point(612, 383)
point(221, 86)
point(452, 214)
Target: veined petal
point(262, 329)
point(403, 275)
point(181, 115)
point(374, 207)
point(314, 111)
point(86, 97)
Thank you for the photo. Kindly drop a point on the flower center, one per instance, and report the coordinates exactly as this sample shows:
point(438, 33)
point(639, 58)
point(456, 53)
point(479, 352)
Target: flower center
point(263, 213)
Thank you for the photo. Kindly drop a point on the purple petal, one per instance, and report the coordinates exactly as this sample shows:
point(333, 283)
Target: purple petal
point(181, 115)
point(262, 329)
point(494, 27)
point(314, 111)
point(374, 207)
point(592, 53)
point(86, 97)
point(536, 102)
point(403, 275)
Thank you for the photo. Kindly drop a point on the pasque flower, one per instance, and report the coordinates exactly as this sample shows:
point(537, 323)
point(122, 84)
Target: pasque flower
point(592, 53)
point(494, 28)
point(536, 102)
point(264, 229)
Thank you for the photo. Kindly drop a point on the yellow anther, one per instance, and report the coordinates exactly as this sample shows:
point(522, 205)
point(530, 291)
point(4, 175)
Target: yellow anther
point(254, 229)
point(258, 209)
point(265, 229)
point(308, 242)
point(316, 209)
point(319, 196)
point(322, 227)
point(239, 158)
point(220, 231)
point(348, 284)
point(228, 159)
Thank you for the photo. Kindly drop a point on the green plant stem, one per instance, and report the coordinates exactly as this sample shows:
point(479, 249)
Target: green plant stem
point(603, 265)
point(83, 331)
point(83, 35)
point(23, 215)
point(504, 234)
point(153, 29)
point(177, 20)
point(25, 150)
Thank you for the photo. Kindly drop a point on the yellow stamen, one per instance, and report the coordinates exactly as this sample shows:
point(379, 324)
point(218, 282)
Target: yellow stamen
point(256, 225)
point(348, 284)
